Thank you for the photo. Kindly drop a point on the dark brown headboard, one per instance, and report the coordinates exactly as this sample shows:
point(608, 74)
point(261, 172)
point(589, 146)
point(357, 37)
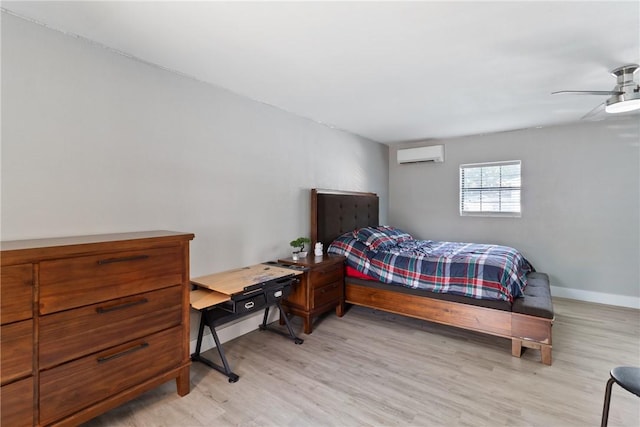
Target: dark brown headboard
point(335, 212)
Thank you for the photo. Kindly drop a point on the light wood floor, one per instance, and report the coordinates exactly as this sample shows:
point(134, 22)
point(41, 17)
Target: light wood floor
point(373, 369)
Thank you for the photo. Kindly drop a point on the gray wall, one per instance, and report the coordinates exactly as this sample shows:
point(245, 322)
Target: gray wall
point(580, 203)
point(95, 142)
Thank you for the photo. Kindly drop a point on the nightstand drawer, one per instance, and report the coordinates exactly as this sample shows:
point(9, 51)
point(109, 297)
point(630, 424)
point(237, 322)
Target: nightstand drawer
point(326, 274)
point(16, 354)
point(16, 295)
point(76, 385)
point(16, 407)
point(327, 294)
point(75, 333)
point(74, 282)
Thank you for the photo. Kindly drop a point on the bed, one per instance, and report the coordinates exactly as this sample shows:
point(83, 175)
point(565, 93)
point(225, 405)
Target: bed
point(526, 318)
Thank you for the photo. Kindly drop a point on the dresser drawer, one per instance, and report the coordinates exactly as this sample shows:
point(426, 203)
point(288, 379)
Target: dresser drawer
point(327, 294)
point(16, 353)
point(74, 282)
point(16, 293)
point(76, 385)
point(16, 403)
point(323, 275)
point(75, 333)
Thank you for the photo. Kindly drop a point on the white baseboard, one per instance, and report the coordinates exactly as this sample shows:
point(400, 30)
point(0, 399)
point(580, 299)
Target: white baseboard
point(597, 297)
point(232, 330)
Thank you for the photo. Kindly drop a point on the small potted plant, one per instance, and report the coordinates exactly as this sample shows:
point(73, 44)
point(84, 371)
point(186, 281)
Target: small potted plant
point(298, 247)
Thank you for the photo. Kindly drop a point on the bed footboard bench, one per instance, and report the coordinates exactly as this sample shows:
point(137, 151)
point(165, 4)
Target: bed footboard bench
point(532, 318)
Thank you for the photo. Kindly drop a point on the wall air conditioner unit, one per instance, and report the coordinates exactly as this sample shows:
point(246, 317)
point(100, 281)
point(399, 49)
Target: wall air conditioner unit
point(433, 153)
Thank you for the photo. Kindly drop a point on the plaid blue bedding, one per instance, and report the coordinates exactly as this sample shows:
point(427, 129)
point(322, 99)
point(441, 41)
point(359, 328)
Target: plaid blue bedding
point(468, 269)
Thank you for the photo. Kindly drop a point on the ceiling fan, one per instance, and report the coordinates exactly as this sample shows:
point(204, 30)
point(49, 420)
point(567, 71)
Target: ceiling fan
point(624, 97)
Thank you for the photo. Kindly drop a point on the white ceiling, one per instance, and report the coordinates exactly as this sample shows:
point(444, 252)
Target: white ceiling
point(389, 71)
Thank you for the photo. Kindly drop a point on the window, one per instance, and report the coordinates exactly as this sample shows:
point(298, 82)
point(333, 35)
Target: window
point(490, 189)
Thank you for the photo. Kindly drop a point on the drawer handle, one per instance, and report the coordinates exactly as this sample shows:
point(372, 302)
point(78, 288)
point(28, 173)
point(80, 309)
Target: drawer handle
point(122, 259)
point(123, 353)
point(102, 310)
point(249, 305)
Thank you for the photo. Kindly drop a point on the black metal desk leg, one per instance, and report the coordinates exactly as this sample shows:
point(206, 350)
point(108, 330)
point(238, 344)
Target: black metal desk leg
point(263, 326)
point(195, 355)
point(292, 335)
point(225, 369)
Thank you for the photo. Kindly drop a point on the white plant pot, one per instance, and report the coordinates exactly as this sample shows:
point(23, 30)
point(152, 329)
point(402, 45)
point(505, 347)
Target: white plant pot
point(298, 255)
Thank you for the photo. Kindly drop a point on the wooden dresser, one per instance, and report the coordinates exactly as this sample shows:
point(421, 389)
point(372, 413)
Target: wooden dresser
point(90, 322)
point(321, 288)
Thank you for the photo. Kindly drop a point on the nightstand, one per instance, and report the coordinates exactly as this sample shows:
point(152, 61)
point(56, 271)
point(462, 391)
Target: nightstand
point(321, 288)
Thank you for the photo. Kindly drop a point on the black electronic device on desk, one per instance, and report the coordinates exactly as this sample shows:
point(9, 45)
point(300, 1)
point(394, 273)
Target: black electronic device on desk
point(229, 295)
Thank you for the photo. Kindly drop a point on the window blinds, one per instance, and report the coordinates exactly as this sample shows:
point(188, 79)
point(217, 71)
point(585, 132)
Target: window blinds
point(490, 188)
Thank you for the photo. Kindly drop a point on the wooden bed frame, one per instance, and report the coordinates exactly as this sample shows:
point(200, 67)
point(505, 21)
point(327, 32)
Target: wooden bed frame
point(336, 212)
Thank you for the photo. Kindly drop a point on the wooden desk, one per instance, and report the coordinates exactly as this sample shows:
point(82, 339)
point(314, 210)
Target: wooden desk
point(229, 295)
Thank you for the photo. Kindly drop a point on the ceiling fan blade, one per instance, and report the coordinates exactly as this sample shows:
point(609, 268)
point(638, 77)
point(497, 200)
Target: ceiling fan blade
point(593, 112)
point(587, 92)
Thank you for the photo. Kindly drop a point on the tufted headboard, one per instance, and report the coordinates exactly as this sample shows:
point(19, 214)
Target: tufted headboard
point(336, 212)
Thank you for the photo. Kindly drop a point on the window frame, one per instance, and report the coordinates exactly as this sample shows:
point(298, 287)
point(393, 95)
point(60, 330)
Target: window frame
point(508, 214)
